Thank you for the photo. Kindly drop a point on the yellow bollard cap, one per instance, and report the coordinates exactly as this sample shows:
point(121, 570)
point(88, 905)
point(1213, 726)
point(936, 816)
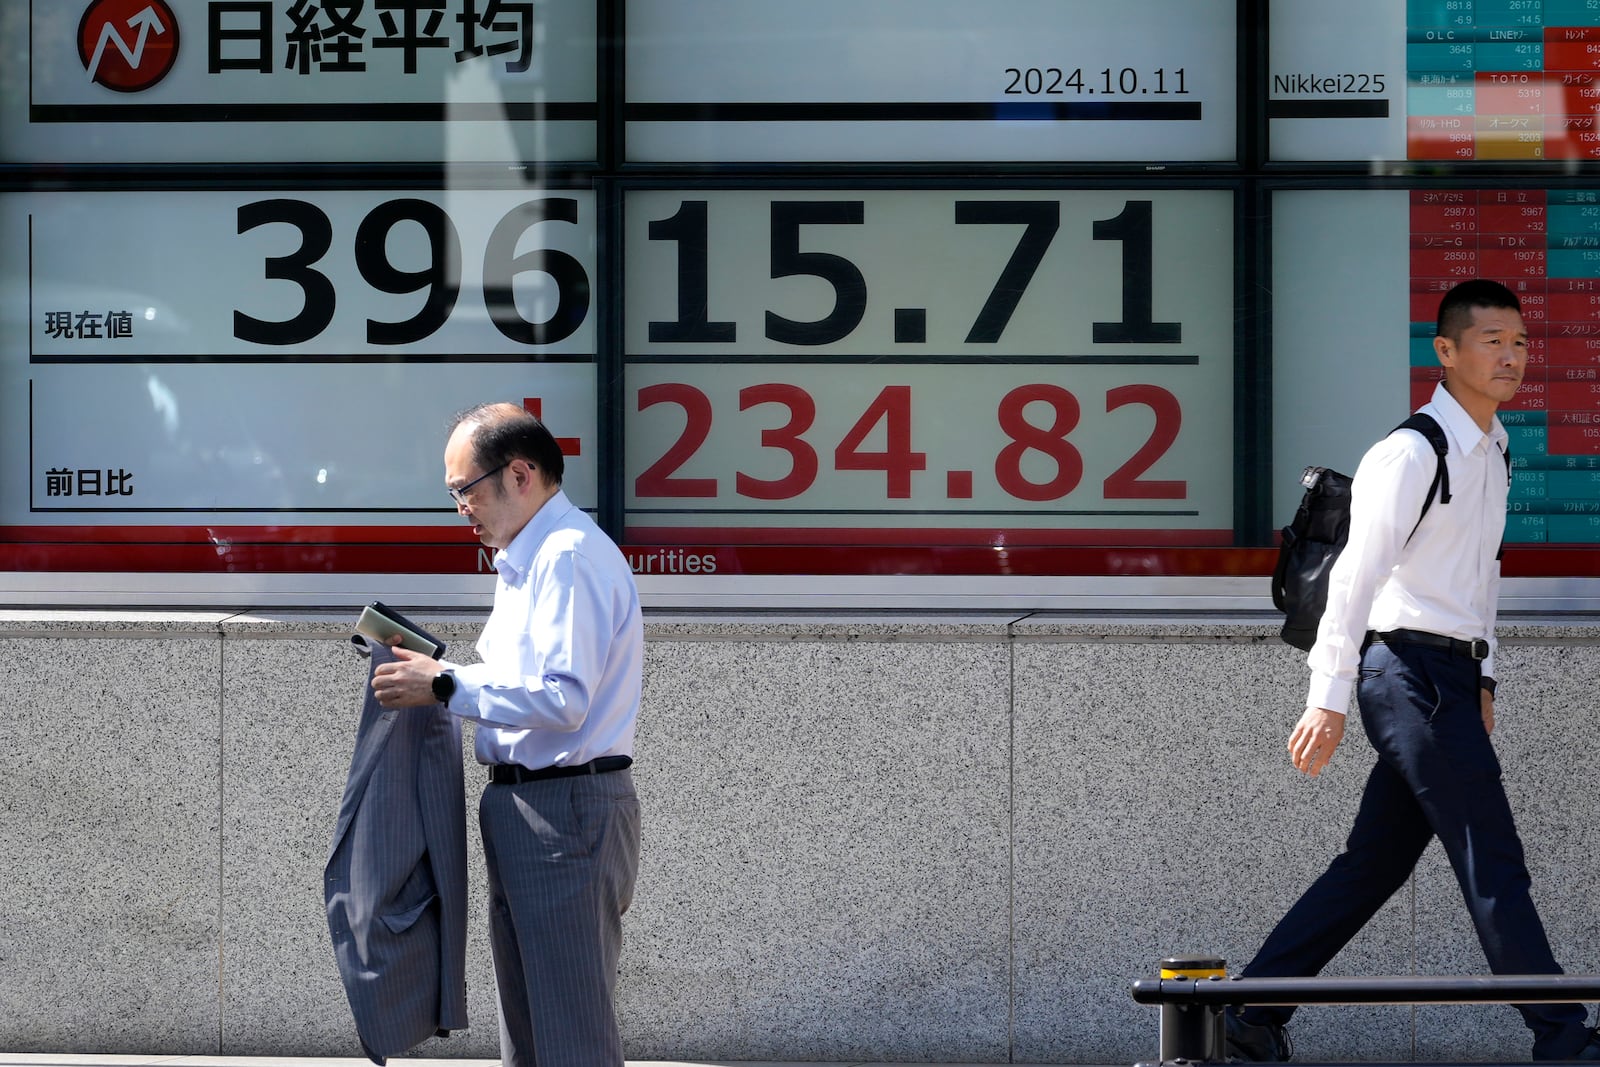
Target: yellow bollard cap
point(1194, 966)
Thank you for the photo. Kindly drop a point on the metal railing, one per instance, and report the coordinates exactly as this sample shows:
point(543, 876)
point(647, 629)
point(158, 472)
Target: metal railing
point(1193, 991)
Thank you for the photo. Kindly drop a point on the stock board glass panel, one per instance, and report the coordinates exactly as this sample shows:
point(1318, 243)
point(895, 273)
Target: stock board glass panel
point(1546, 245)
point(284, 81)
point(261, 380)
point(1358, 275)
point(892, 370)
point(931, 81)
point(1460, 81)
point(851, 376)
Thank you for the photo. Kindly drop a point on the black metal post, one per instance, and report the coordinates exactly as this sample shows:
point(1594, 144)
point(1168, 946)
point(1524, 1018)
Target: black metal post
point(1193, 992)
point(1388, 989)
point(1191, 1031)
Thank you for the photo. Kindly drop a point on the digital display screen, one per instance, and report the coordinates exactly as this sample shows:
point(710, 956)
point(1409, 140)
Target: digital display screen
point(848, 287)
point(1544, 244)
point(1458, 81)
point(931, 80)
point(1338, 80)
point(282, 360)
point(281, 81)
point(904, 367)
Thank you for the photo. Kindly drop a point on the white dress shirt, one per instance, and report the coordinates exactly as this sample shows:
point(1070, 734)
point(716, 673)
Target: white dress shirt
point(1446, 579)
point(562, 651)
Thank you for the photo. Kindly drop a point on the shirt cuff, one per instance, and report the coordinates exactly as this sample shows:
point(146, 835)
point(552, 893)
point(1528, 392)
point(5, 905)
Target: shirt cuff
point(1329, 692)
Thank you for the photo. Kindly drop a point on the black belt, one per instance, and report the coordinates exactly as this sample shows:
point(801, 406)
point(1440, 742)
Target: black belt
point(515, 774)
point(1477, 648)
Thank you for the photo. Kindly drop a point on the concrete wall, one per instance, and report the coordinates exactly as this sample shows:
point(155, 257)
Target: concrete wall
point(907, 838)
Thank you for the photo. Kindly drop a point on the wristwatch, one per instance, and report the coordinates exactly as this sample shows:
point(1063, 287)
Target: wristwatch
point(444, 686)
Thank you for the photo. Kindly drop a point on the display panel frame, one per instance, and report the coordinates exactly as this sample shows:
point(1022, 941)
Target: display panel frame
point(1083, 560)
point(499, 100)
point(224, 540)
point(1539, 579)
point(1541, 583)
point(1246, 520)
point(1276, 75)
point(1246, 107)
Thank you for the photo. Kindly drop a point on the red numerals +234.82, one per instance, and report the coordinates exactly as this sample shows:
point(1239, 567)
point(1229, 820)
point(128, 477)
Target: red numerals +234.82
point(1038, 418)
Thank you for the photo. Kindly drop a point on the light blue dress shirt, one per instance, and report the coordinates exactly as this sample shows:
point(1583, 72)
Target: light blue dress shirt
point(563, 649)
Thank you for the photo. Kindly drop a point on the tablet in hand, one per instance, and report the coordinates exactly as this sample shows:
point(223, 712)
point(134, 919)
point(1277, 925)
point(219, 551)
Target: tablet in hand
point(381, 624)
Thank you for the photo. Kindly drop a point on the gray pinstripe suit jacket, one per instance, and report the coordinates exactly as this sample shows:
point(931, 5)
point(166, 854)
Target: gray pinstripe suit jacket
point(396, 878)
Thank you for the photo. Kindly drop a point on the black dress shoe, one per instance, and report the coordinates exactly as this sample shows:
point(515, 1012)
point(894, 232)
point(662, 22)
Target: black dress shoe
point(1264, 1043)
point(1591, 1048)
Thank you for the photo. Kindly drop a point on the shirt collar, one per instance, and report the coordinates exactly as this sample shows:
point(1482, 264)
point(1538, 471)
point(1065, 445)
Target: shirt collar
point(515, 560)
point(1460, 426)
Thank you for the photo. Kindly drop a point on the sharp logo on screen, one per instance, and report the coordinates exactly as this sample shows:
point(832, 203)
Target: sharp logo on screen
point(128, 45)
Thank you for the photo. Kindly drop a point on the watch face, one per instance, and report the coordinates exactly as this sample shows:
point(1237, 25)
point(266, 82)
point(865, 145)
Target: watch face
point(443, 686)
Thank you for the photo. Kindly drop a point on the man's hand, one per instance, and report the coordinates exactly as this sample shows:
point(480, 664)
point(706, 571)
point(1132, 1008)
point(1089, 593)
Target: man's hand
point(1488, 710)
point(407, 682)
point(1315, 736)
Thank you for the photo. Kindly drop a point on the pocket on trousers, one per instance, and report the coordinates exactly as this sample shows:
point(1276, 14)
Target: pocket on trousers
point(399, 922)
point(585, 822)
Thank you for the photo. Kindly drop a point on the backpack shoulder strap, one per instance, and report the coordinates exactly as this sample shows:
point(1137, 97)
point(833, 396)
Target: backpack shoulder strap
point(1434, 433)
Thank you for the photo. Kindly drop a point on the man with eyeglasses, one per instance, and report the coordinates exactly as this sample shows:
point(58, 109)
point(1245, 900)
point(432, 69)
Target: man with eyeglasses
point(555, 700)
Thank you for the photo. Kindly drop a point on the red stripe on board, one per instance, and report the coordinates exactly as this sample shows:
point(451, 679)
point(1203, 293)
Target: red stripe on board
point(461, 536)
point(242, 559)
point(949, 561)
point(263, 535)
point(957, 560)
point(990, 537)
point(444, 550)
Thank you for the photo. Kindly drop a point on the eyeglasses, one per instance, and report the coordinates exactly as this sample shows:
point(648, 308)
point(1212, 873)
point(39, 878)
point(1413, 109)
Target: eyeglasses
point(460, 495)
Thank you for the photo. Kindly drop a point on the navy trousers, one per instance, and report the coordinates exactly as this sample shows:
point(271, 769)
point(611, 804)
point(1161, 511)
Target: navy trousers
point(1436, 776)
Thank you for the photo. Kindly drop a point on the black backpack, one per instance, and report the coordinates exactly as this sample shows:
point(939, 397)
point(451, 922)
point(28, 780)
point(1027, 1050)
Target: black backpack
point(1321, 525)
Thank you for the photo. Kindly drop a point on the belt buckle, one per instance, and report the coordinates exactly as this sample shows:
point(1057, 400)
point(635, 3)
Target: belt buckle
point(1480, 648)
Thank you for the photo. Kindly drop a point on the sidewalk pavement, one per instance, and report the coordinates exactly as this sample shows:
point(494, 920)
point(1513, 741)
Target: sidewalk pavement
point(46, 1059)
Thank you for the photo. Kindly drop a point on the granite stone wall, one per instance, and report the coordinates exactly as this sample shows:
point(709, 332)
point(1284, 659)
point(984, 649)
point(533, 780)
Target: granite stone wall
point(892, 838)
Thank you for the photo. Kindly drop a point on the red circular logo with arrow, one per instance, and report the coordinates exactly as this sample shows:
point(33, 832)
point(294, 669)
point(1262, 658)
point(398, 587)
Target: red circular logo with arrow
point(128, 45)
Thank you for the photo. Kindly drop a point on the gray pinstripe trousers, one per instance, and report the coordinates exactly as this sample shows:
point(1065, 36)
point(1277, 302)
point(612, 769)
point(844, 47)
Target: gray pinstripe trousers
point(562, 856)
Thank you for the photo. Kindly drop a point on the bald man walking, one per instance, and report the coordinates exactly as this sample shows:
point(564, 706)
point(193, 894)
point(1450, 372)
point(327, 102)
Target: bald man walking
point(555, 699)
